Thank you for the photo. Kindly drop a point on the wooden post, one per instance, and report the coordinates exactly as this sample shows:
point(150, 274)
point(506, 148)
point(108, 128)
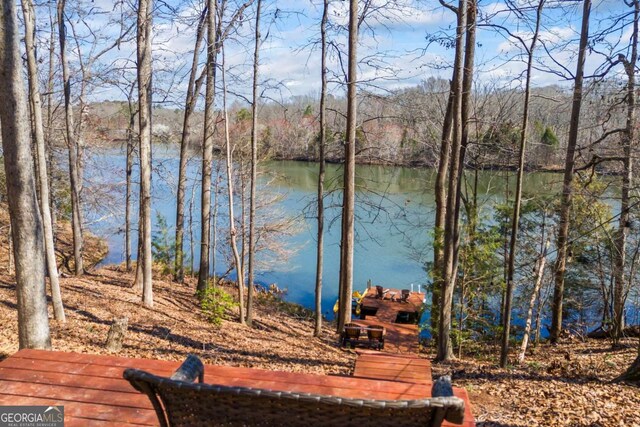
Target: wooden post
point(116, 334)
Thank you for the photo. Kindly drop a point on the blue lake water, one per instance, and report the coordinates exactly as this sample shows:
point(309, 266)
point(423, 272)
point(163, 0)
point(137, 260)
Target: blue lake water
point(394, 218)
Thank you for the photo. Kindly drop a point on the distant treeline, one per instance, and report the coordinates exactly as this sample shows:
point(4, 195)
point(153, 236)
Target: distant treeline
point(400, 128)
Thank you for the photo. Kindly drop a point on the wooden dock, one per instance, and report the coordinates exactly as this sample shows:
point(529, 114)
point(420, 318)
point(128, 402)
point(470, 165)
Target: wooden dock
point(93, 392)
point(399, 337)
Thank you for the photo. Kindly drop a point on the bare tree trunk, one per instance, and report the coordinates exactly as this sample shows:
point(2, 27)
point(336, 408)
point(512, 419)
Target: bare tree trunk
point(539, 275)
point(349, 190)
point(254, 165)
point(441, 204)
point(41, 158)
point(137, 283)
point(26, 225)
point(129, 173)
point(619, 254)
point(191, 243)
point(207, 149)
point(49, 133)
point(214, 226)
point(232, 223)
point(633, 373)
point(321, 170)
point(72, 143)
point(467, 84)
point(193, 90)
point(243, 215)
point(567, 189)
point(10, 263)
point(144, 115)
point(515, 220)
point(445, 351)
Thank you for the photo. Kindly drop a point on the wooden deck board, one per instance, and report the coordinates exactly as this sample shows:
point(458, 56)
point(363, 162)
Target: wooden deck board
point(395, 368)
point(398, 338)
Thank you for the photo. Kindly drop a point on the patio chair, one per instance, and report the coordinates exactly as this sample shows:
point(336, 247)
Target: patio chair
point(351, 334)
point(178, 401)
point(375, 334)
point(405, 295)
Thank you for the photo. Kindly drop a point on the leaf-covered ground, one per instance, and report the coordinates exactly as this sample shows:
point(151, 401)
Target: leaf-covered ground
point(175, 327)
point(565, 385)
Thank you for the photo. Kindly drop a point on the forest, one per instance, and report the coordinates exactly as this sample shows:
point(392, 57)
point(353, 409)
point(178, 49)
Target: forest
point(219, 173)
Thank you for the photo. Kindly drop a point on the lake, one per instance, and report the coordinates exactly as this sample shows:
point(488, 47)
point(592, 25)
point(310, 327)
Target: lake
point(394, 210)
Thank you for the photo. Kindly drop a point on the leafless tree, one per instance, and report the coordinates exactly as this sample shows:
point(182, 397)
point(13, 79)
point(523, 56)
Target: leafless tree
point(629, 141)
point(26, 224)
point(207, 147)
point(143, 44)
point(321, 169)
point(348, 196)
point(193, 89)
point(515, 220)
point(41, 157)
point(254, 166)
point(232, 226)
point(567, 187)
point(72, 144)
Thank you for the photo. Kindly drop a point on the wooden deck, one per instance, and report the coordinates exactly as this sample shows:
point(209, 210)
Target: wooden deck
point(399, 337)
point(93, 392)
point(386, 309)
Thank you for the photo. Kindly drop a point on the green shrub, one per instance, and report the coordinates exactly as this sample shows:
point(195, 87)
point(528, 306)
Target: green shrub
point(549, 138)
point(215, 302)
point(163, 245)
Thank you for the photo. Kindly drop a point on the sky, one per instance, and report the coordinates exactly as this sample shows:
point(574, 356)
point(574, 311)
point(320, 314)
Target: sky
point(400, 45)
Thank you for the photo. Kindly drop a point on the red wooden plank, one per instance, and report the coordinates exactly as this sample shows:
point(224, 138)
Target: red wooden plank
point(420, 371)
point(84, 422)
point(395, 364)
point(87, 410)
point(391, 375)
point(56, 378)
point(423, 372)
point(94, 359)
point(381, 355)
point(75, 394)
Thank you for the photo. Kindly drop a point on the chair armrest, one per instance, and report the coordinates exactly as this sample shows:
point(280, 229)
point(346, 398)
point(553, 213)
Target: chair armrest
point(453, 409)
point(190, 369)
point(442, 387)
